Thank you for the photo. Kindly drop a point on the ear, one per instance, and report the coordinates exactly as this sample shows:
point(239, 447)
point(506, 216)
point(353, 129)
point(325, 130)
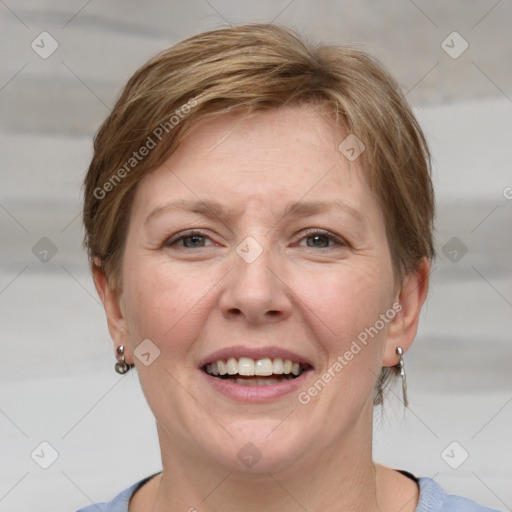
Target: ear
point(402, 329)
point(116, 322)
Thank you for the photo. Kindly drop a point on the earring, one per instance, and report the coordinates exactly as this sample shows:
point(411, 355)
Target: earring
point(121, 366)
point(401, 369)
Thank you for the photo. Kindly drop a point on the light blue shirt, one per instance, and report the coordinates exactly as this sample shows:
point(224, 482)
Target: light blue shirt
point(432, 499)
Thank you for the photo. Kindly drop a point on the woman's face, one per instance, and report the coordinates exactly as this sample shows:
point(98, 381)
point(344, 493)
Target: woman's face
point(258, 239)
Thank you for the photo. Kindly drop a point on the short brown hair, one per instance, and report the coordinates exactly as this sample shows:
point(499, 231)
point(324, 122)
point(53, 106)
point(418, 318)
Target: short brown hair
point(253, 68)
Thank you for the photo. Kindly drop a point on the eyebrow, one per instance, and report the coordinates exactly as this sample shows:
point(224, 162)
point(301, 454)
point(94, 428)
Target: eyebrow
point(215, 210)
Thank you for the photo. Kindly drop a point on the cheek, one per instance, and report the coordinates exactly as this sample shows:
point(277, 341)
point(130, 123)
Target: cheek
point(163, 303)
point(344, 309)
point(347, 297)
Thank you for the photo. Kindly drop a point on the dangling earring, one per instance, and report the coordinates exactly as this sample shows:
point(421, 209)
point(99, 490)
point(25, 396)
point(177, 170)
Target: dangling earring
point(121, 366)
point(401, 369)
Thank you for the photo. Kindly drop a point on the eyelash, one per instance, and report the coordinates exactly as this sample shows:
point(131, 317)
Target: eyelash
point(307, 234)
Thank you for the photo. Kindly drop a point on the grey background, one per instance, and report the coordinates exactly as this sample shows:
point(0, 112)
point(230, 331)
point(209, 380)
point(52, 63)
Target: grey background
point(57, 377)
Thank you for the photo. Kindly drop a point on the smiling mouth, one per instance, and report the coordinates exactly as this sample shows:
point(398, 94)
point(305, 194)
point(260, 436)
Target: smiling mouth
point(255, 372)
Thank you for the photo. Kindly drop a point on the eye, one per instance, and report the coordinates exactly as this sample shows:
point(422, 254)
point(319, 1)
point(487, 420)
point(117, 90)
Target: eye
point(314, 238)
point(321, 239)
point(189, 240)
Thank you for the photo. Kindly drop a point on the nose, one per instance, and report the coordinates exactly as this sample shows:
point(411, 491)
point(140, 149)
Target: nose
point(256, 290)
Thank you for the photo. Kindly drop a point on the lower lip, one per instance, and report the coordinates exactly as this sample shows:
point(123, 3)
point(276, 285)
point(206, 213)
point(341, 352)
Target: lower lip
point(264, 393)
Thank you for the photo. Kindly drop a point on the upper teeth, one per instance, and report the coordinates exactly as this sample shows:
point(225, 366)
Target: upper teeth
point(248, 366)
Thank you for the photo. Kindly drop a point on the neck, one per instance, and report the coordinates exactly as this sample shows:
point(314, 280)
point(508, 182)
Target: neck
point(342, 476)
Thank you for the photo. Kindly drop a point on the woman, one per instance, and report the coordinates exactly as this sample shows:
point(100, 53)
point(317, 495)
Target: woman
point(258, 217)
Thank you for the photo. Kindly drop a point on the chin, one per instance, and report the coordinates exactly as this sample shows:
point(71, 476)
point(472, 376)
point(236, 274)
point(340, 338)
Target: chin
point(261, 446)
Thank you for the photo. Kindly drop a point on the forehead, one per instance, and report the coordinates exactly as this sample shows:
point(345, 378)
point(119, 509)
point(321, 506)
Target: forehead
point(273, 158)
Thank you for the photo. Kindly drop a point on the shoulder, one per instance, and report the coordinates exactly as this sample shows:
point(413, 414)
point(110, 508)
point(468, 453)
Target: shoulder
point(120, 502)
point(434, 499)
